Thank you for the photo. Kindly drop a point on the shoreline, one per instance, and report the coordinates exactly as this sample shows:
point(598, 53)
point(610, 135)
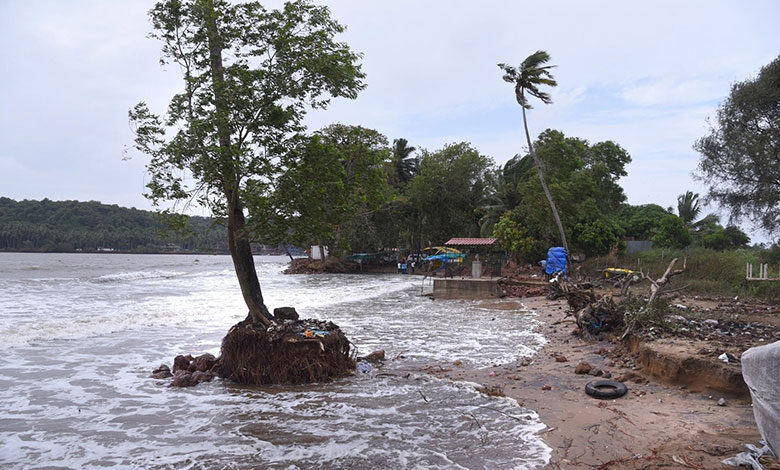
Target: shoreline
point(653, 425)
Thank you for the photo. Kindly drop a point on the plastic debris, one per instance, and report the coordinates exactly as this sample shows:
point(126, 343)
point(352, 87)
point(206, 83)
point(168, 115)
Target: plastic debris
point(364, 367)
point(750, 457)
point(723, 357)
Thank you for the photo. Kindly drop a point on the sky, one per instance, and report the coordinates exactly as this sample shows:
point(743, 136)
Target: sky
point(645, 75)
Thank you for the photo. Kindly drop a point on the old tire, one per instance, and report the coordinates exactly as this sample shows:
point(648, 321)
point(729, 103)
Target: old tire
point(606, 389)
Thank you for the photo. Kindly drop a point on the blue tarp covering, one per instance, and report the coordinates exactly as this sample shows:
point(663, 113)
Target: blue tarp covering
point(444, 257)
point(556, 260)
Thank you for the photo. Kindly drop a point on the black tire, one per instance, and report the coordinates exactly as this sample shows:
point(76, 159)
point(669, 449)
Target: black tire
point(606, 389)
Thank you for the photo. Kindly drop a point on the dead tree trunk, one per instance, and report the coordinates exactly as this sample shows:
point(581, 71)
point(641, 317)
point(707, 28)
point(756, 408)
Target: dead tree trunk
point(655, 288)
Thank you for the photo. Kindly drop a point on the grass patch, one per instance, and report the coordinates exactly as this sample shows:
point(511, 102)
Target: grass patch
point(709, 272)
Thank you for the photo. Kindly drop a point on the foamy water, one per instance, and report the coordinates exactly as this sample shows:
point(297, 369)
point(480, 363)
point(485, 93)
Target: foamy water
point(80, 333)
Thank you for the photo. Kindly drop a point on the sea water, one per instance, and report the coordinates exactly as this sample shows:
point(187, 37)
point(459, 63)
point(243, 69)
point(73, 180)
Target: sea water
point(80, 333)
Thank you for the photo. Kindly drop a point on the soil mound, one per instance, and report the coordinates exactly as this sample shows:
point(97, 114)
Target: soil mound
point(291, 353)
point(328, 265)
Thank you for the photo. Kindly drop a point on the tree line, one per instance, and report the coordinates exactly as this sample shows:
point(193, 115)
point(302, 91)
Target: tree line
point(65, 226)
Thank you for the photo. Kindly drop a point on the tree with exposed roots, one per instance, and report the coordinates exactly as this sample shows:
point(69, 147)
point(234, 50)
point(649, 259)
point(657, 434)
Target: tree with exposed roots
point(249, 75)
point(740, 156)
point(527, 78)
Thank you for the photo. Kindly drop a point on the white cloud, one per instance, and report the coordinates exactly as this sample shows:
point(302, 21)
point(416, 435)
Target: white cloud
point(642, 74)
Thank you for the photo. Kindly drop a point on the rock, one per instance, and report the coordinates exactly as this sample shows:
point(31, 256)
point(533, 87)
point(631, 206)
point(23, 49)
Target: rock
point(546, 387)
point(285, 313)
point(162, 372)
point(457, 362)
point(722, 402)
point(182, 378)
point(182, 363)
point(596, 372)
point(582, 368)
point(203, 363)
point(201, 376)
point(561, 358)
point(376, 356)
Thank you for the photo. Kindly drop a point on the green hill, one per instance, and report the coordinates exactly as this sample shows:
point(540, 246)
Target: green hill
point(65, 226)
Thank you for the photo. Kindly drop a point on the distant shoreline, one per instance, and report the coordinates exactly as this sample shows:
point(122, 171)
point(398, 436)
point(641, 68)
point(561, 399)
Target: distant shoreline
point(119, 252)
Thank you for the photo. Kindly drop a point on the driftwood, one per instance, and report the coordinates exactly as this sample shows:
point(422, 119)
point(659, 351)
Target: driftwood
point(594, 313)
point(656, 285)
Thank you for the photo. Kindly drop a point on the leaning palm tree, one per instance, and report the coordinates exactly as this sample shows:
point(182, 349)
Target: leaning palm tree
point(688, 207)
point(527, 78)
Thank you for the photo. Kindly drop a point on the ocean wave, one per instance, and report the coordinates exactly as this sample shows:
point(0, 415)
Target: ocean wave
point(135, 276)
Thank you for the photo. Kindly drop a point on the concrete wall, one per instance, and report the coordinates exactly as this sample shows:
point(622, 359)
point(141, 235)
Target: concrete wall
point(461, 288)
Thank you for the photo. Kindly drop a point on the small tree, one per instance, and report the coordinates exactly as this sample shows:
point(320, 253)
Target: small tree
point(527, 78)
point(249, 75)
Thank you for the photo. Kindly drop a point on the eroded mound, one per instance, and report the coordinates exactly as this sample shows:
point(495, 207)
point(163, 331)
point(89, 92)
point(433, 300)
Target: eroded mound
point(293, 352)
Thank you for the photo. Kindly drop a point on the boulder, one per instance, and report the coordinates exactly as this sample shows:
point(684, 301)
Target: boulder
point(201, 376)
point(182, 363)
point(376, 356)
point(582, 368)
point(203, 363)
point(183, 378)
point(162, 372)
point(285, 313)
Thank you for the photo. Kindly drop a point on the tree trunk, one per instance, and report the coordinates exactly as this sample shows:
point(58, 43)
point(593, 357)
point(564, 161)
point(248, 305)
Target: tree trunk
point(240, 250)
point(544, 184)
point(244, 264)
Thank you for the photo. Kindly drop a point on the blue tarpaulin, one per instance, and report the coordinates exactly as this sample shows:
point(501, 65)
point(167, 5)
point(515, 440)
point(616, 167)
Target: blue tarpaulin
point(556, 260)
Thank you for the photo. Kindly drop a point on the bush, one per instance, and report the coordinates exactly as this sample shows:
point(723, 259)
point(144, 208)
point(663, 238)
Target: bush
point(709, 272)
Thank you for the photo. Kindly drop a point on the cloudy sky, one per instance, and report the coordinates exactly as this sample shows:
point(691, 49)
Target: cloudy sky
point(643, 74)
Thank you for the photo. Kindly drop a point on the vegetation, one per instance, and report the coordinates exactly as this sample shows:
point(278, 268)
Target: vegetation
point(709, 272)
point(249, 75)
point(527, 78)
point(582, 178)
point(91, 226)
point(739, 156)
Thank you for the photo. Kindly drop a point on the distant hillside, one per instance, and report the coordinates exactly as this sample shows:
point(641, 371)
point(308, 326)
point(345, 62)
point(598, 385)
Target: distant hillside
point(91, 226)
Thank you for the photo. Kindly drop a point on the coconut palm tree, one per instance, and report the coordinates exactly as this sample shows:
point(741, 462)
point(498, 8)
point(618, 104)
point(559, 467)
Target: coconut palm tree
point(404, 164)
point(527, 78)
point(688, 207)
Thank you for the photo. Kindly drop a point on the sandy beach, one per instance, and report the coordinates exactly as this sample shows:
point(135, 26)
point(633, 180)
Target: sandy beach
point(655, 425)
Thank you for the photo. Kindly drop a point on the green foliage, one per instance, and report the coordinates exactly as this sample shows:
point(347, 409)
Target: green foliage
point(672, 233)
point(709, 272)
point(739, 156)
point(598, 236)
point(725, 239)
point(404, 166)
point(653, 315)
point(87, 226)
point(332, 184)
point(513, 237)
point(688, 207)
point(529, 76)
point(641, 222)
point(444, 197)
point(238, 111)
point(582, 179)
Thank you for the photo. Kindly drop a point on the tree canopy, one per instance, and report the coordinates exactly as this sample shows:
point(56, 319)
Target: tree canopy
point(740, 156)
point(249, 75)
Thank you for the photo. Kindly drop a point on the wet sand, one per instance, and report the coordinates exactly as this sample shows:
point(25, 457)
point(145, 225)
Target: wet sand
point(653, 426)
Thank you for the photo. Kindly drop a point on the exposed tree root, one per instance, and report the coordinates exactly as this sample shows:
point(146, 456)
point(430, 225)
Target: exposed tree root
point(296, 352)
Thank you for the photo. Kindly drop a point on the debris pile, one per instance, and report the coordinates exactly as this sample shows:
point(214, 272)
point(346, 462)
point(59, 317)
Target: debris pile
point(289, 352)
point(293, 352)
